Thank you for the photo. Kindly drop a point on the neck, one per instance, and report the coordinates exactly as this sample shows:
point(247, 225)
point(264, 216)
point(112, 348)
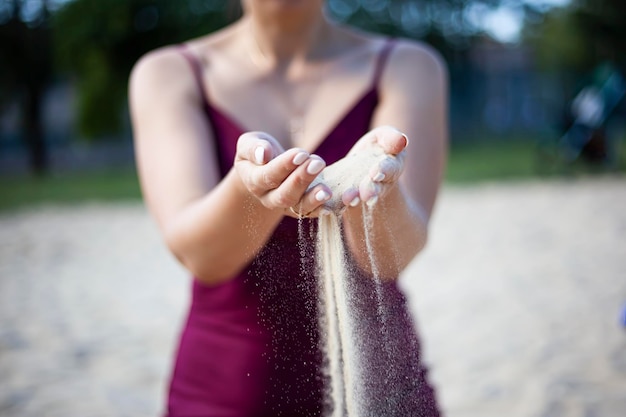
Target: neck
point(279, 45)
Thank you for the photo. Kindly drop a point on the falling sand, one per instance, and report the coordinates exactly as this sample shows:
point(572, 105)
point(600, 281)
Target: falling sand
point(342, 327)
point(336, 320)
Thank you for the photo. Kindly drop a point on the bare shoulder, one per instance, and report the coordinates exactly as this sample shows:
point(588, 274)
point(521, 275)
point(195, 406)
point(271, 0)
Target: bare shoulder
point(163, 94)
point(412, 63)
point(161, 71)
point(170, 55)
point(418, 53)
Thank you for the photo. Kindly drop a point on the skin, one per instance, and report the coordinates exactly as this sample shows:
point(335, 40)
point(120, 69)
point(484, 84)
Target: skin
point(286, 49)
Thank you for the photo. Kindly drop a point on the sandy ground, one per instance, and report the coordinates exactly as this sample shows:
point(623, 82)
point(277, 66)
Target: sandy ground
point(518, 298)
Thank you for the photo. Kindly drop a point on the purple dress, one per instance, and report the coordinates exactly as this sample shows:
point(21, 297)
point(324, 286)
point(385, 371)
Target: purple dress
point(250, 346)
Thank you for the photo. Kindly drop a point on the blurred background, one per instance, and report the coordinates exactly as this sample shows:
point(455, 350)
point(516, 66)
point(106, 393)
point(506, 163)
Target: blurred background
point(520, 293)
point(516, 67)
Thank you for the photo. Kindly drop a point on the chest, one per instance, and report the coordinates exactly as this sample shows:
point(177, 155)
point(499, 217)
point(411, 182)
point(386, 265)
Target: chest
point(298, 114)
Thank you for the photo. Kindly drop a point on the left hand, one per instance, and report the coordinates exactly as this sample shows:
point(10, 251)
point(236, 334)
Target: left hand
point(368, 171)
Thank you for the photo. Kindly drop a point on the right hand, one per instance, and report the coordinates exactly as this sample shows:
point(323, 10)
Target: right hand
point(279, 179)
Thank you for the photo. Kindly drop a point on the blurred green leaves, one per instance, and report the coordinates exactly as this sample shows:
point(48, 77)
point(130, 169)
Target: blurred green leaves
point(98, 41)
point(559, 42)
point(581, 36)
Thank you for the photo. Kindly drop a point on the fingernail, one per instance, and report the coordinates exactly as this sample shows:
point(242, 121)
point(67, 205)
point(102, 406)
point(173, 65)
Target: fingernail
point(406, 138)
point(379, 177)
point(259, 155)
point(325, 212)
point(322, 195)
point(300, 158)
point(355, 202)
point(372, 201)
point(316, 166)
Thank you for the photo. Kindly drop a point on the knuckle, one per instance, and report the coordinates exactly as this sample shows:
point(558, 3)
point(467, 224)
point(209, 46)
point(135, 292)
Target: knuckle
point(269, 181)
point(257, 188)
point(284, 199)
point(301, 179)
point(267, 203)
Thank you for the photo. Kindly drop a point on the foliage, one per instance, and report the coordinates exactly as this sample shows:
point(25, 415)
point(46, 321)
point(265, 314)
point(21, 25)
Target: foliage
point(444, 24)
point(581, 36)
point(603, 22)
point(98, 42)
point(559, 43)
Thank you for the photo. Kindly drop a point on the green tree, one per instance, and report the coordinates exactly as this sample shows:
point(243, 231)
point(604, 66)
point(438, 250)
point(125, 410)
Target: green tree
point(98, 41)
point(581, 36)
point(603, 22)
point(442, 23)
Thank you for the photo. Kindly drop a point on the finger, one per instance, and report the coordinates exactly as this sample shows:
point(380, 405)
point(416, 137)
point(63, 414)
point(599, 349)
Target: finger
point(388, 169)
point(275, 172)
point(390, 139)
point(369, 191)
point(351, 197)
point(313, 203)
point(258, 147)
point(294, 187)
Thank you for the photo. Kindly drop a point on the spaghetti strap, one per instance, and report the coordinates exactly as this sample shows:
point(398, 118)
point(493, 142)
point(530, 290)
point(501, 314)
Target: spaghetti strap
point(196, 67)
point(382, 60)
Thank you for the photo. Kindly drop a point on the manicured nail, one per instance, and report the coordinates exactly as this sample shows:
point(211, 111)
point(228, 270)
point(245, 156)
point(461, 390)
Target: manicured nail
point(316, 166)
point(300, 158)
point(355, 202)
point(259, 155)
point(325, 212)
point(372, 201)
point(379, 177)
point(322, 195)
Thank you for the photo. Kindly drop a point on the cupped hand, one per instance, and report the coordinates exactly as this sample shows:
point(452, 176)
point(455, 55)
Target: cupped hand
point(281, 179)
point(368, 171)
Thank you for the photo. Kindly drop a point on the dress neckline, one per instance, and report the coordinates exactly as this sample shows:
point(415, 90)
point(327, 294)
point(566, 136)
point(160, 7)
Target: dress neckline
point(240, 129)
point(371, 92)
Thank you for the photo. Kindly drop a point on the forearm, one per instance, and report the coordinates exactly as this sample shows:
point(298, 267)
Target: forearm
point(216, 236)
point(385, 238)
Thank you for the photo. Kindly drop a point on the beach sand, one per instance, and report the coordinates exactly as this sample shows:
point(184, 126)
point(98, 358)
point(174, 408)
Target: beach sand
point(517, 298)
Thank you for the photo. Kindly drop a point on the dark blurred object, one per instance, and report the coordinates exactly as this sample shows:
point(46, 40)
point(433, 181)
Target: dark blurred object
point(26, 70)
point(589, 133)
point(591, 110)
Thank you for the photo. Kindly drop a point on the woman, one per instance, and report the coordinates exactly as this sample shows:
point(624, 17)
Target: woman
point(231, 129)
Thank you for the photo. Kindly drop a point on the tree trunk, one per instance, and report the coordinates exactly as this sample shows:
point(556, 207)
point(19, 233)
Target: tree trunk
point(33, 130)
point(38, 68)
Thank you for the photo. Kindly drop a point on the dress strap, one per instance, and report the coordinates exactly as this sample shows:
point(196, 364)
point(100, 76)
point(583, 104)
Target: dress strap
point(196, 67)
point(383, 55)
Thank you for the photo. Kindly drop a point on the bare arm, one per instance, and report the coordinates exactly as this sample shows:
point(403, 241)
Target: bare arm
point(213, 226)
point(414, 100)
